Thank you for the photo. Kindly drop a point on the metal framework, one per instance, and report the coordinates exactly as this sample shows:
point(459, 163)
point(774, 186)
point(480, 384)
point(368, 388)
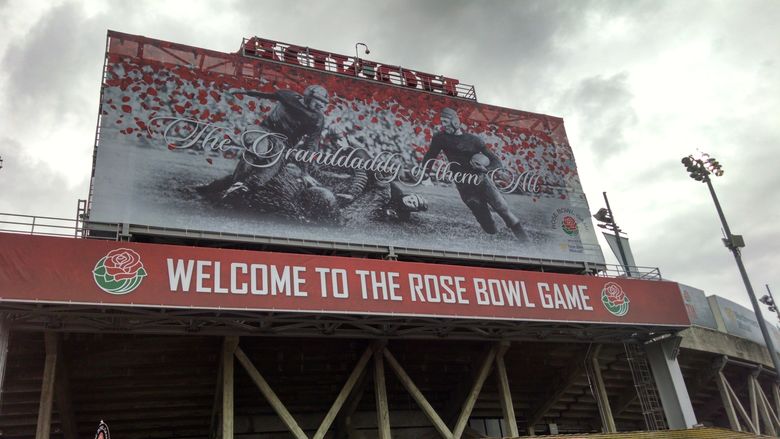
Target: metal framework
point(761, 412)
point(147, 320)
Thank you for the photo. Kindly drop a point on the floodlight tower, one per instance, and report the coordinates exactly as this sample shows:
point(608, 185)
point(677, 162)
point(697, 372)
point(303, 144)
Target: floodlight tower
point(700, 169)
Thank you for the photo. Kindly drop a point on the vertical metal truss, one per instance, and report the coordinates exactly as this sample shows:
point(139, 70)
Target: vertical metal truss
point(145, 320)
point(761, 411)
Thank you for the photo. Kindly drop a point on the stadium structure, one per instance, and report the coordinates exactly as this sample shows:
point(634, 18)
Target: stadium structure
point(286, 242)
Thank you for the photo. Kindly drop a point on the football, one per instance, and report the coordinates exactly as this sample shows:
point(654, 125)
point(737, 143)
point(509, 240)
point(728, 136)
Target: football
point(480, 159)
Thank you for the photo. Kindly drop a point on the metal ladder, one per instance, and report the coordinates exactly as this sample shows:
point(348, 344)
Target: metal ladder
point(652, 410)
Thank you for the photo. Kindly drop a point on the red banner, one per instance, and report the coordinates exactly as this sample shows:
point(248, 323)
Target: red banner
point(45, 269)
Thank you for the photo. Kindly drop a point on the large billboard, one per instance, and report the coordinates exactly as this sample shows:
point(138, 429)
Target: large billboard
point(742, 322)
point(698, 307)
point(207, 141)
point(36, 269)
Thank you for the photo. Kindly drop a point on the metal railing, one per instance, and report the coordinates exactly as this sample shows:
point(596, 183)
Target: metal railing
point(634, 272)
point(77, 228)
point(39, 225)
point(52, 226)
point(356, 67)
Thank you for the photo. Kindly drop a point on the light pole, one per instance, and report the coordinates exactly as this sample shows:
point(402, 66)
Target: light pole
point(607, 221)
point(700, 169)
point(357, 56)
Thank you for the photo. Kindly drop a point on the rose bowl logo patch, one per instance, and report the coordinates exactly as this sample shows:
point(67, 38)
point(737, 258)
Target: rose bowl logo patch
point(119, 272)
point(569, 225)
point(614, 299)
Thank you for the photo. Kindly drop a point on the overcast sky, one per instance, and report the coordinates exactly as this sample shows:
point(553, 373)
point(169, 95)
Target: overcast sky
point(639, 85)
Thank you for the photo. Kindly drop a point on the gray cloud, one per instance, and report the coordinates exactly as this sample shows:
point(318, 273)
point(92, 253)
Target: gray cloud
point(32, 187)
point(47, 72)
point(504, 42)
point(603, 107)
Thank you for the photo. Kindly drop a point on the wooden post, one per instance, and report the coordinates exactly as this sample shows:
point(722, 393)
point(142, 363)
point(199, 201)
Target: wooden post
point(608, 422)
point(476, 388)
point(505, 394)
point(215, 406)
point(344, 393)
point(380, 392)
point(773, 419)
point(408, 384)
point(47, 387)
point(63, 397)
point(345, 429)
point(765, 410)
point(753, 403)
point(270, 395)
point(731, 413)
point(5, 333)
point(228, 414)
point(738, 405)
point(776, 396)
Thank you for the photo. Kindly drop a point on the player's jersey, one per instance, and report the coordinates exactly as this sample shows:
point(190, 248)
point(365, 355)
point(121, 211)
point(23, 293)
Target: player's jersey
point(293, 119)
point(459, 148)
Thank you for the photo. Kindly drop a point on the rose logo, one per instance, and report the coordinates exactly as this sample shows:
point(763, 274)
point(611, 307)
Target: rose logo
point(615, 299)
point(119, 272)
point(569, 225)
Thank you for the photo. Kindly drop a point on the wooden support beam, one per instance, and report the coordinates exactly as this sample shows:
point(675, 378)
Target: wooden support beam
point(270, 395)
point(738, 405)
point(229, 347)
point(217, 404)
point(505, 394)
point(458, 392)
point(476, 388)
point(774, 420)
point(753, 403)
point(764, 409)
point(63, 396)
point(344, 426)
point(776, 396)
point(380, 393)
point(728, 405)
point(357, 394)
point(410, 387)
point(5, 333)
point(607, 420)
point(47, 387)
point(345, 391)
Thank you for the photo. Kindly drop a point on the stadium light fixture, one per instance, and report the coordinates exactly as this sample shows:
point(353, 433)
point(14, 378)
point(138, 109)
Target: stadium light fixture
point(700, 169)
